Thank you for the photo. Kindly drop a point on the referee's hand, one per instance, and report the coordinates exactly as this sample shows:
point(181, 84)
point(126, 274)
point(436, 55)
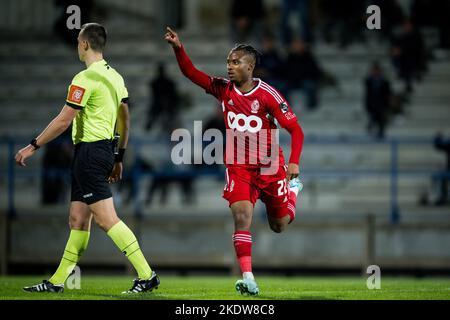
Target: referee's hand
point(116, 173)
point(23, 154)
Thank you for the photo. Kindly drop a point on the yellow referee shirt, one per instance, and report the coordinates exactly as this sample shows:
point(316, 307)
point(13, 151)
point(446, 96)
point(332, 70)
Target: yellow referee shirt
point(97, 92)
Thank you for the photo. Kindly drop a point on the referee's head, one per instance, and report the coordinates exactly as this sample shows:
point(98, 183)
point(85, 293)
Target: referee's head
point(92, 38)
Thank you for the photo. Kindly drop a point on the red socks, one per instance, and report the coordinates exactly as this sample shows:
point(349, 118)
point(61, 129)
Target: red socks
point(291, 205)
point(242, 241)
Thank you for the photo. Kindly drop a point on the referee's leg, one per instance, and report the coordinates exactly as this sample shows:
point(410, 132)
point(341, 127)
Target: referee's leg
point(106, 217)
point(104, 213)
point(80, 217)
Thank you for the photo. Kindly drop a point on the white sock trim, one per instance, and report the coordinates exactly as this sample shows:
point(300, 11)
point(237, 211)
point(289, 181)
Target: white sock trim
point(248, 275)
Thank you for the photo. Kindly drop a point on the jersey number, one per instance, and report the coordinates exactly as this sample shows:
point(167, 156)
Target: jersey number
point(282, 190)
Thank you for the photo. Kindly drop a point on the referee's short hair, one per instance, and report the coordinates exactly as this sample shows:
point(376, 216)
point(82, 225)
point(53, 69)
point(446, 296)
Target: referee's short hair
point(95, 34)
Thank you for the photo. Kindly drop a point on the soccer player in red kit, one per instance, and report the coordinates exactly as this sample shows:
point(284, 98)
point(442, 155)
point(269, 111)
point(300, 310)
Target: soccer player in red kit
point(251, 109)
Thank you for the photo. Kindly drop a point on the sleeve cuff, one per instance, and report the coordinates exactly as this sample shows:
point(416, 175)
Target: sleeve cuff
point(73, 105)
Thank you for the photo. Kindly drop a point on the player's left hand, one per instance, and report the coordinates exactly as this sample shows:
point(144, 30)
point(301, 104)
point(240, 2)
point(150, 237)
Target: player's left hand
point(23, 154)
point(116, 173)
point(292, 171)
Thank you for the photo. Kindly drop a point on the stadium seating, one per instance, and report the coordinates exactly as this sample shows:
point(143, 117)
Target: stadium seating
point(34, 76)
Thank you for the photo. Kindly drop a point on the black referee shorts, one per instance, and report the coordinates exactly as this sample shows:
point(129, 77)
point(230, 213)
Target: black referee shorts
point(92, 164)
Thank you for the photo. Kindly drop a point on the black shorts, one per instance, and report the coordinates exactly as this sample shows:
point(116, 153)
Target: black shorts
point(92, 164)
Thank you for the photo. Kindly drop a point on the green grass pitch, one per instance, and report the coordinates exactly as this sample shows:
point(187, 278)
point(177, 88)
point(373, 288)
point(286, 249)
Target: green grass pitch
point(222, 287)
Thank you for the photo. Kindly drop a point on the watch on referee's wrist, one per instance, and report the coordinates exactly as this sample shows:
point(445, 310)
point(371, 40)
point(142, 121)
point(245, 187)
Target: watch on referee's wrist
point(118, 157)
point(33, 142)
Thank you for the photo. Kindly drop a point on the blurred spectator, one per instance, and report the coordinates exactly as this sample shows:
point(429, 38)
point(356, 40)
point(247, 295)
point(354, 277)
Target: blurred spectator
point(443, 144)
point(246, 20)
point(168, 174)
point(301, 71)
point(55, 165)
point(302, 9)
point(433, 14)
point(344, 20)
point(163, 109)
point(270, 67)
point(377, 100)
point(408, 55)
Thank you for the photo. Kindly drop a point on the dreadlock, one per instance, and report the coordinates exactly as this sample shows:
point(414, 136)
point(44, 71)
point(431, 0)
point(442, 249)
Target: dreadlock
point(248, 49)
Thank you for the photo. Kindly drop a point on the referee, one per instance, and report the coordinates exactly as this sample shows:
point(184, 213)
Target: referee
point(97, 103)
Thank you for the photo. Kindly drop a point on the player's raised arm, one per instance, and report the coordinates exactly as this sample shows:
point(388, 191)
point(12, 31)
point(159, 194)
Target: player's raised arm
point(187, 68)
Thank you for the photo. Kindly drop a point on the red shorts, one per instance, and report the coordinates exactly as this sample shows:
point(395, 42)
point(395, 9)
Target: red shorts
point(250, 184)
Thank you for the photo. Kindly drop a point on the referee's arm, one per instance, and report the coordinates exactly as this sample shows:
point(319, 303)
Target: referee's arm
point(123, 124)
point(56, 127)
point(123, 128)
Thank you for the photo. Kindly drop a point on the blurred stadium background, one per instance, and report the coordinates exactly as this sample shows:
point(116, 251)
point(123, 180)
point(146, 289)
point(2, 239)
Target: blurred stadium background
point(367, 199)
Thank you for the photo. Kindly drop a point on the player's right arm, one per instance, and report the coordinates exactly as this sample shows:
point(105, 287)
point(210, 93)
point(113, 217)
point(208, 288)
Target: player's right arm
point(184, 62)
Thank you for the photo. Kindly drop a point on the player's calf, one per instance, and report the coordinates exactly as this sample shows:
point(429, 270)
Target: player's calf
point(278, 225)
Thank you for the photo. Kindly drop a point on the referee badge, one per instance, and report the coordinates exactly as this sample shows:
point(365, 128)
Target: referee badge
point(75, 94)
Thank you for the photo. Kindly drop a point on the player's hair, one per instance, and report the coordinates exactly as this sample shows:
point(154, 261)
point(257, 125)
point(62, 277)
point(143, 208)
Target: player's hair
point(248, 49)
point(95, 34)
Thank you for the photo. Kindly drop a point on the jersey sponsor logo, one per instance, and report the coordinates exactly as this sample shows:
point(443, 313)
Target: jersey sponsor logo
point(255, 106)
point(87, 195)
point(284, 107)
point(75, 94)
point(243, 123)
point(289, 115)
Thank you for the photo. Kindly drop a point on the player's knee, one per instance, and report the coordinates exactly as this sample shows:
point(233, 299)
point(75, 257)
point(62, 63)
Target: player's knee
point(277, 227)
point(101, 223)
point(77, 222)
point(242, 217)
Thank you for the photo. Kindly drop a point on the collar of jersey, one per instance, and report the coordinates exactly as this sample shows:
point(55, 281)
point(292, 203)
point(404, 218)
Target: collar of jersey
point(97, 62)
point(251, 91)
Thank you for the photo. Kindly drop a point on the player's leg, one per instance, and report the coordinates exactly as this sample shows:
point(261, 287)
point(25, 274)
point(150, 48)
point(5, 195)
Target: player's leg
point(278, 218)
point(242, 197)
point(242, 212)
point(280, 197)
point(294, 188)
point(106, 217)
point(80, 222)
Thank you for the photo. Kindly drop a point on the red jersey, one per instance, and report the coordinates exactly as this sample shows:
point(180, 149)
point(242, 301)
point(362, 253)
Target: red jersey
point(250, 119)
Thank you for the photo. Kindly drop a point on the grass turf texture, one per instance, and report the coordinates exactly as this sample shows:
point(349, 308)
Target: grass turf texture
point(217, 288)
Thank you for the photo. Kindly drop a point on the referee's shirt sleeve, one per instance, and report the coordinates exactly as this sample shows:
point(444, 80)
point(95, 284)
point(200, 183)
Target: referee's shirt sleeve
point(124, 95)
point(78, 92)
